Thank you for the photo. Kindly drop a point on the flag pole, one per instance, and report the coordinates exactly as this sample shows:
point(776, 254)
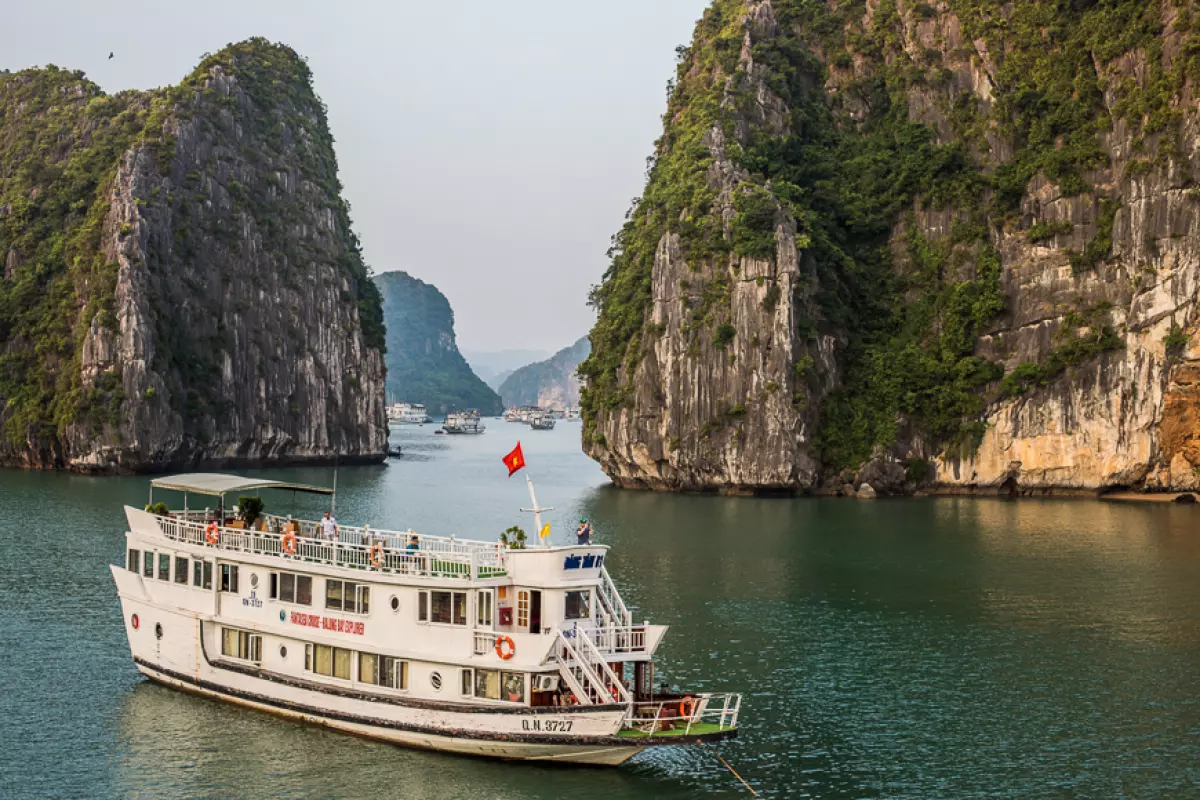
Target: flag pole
point(537, 510)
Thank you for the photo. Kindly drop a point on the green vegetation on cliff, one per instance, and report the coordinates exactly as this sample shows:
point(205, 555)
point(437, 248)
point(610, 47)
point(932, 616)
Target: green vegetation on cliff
point(423, 362)
point(857, 172)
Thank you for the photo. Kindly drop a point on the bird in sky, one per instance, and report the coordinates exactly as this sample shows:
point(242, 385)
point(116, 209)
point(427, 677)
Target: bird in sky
point(110, 55)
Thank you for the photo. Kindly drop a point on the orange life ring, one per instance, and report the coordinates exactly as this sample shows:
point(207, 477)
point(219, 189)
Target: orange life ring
point(505, 647)
point(377, 556)
point(616, 696)
point(212, 533)
point(289, 543)
point(686, 706)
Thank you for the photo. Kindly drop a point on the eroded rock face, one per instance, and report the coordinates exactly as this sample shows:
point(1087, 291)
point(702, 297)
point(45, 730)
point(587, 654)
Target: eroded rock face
point(240, 305)
point(691, 409)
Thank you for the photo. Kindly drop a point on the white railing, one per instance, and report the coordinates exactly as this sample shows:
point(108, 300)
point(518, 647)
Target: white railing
point(625, 639)
point(613, 612)
point(697, 712)
point(579, 658)
point(434, 556)
point(484, 642)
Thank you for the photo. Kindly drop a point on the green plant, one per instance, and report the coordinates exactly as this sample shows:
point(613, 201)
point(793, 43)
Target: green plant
point(723, 335)
point(1175, 342)
point(250, 508)
point(160, 508)
point(514, 538)
point(1041, 231)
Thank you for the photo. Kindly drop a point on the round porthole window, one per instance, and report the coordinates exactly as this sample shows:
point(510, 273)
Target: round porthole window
point(158, 629)
point(282, 651)
point(435, 679)
point(395, 603)
point(253, 580)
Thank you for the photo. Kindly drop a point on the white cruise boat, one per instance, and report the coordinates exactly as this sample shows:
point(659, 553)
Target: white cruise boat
point(542, 422)
point(442, 643)
point(407, 414)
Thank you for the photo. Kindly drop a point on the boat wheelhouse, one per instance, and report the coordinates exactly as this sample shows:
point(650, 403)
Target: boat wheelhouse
point(438, 642)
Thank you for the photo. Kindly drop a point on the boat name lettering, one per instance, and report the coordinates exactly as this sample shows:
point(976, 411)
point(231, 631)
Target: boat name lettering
point(328, 623)
point(252, 601)
point(590, 561)
point(547, 725)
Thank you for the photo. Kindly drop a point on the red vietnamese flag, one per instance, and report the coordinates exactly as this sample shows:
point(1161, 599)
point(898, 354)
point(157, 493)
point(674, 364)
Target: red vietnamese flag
point(514, 460)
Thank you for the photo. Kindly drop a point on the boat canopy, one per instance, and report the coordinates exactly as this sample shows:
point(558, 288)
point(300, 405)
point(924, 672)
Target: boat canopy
point(215, 484)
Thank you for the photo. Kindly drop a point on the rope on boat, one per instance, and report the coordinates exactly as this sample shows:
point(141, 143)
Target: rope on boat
point(749, 788)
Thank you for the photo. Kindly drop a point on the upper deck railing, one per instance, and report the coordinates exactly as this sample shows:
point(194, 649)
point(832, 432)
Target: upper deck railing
point(361, 548)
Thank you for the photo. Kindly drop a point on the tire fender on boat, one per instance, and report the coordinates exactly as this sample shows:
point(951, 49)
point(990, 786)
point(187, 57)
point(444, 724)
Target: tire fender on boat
point(505, 647)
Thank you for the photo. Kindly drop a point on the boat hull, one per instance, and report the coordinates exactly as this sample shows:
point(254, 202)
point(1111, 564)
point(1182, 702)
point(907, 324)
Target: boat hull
point(593, 754)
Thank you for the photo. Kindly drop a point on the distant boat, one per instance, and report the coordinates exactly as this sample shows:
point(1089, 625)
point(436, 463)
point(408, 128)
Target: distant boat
point(395, 451)
point(542, 422)
point(463, 422)
point(407, 414)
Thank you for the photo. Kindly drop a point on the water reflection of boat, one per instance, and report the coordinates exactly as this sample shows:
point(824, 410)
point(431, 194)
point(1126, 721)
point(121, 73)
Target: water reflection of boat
point(447, 643)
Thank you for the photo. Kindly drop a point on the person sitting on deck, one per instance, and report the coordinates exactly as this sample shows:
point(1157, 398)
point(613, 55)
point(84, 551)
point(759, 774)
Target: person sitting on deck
point(413, 543)
point(583, 533)
point(329, 527)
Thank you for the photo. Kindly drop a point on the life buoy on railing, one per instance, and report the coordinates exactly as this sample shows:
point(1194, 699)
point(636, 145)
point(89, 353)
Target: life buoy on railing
point(377, 556)
point(505, 647)
point(686, 706)
point(212, 533)
point(289, 543)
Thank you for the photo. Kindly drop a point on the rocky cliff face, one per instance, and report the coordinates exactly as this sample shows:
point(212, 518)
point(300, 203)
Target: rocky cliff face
point(181, 282)
point(948, 244)
point(424, 365)
point(552, 383)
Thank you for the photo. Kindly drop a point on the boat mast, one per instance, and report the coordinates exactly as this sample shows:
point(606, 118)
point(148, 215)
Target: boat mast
point(537, 510)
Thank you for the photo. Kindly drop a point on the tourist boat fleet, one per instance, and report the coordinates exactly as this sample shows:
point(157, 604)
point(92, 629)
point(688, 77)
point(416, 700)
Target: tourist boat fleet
point(437, 642)
point(530, 415)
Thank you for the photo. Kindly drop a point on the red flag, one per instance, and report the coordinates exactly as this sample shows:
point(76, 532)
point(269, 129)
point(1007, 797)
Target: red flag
point(514, 460)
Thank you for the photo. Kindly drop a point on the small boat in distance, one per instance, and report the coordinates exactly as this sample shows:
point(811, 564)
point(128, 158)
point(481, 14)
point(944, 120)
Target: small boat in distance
point(542, 422)
point(407, 414)
point(447, 643)
point(463, 422)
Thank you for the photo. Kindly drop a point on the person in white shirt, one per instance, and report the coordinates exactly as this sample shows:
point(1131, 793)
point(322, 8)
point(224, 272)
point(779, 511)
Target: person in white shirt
point(329, 528)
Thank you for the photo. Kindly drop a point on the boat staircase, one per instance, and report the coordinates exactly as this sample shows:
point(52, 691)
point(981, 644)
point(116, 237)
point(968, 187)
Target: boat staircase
point(580, 653)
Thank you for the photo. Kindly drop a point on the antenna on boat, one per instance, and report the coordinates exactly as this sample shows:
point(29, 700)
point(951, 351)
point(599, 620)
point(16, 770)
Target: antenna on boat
point(537, 510)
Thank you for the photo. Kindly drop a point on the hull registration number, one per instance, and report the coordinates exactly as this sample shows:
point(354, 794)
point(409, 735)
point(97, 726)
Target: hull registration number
point(547, 725)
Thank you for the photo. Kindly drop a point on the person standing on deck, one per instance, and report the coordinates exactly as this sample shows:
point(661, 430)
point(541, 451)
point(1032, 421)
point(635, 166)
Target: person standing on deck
point(329, 528)
point(583, 534)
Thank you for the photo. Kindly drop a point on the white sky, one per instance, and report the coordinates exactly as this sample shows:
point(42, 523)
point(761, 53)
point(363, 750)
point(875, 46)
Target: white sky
point(489, 147)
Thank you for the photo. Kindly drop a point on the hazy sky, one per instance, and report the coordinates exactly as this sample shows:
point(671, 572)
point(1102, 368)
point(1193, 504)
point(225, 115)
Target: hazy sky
point(490, 147)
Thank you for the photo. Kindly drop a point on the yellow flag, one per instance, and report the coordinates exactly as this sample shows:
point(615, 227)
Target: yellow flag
point(545, 531)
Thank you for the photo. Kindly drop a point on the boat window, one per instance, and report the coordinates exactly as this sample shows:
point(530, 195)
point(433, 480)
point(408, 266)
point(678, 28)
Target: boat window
point(291, 588)
point(325, 660)
point(578, 604)
point(391, 673)
point(241, 644)
point(444, 608)
point(347, 596)
point(483, 609)
point(229, 578)
point(207, 574)
point(148, 564)
point(197, 573)
point(491, 684)
point(523, 609)
point(181, 569)
point(131, 563)
point(164, 566)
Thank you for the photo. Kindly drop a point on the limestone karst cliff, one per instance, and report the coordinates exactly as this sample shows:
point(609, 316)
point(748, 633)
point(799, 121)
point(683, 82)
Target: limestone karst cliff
point(552, 383)
point(948, 244)
point(181, 284)
point(423, 361)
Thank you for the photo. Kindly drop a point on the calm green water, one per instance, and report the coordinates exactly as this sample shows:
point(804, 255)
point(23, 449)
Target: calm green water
point(919, 648)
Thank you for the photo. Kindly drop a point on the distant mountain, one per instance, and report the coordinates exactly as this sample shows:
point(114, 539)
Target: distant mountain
point(551, 383)
point(496, 365)
point(423, 362)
